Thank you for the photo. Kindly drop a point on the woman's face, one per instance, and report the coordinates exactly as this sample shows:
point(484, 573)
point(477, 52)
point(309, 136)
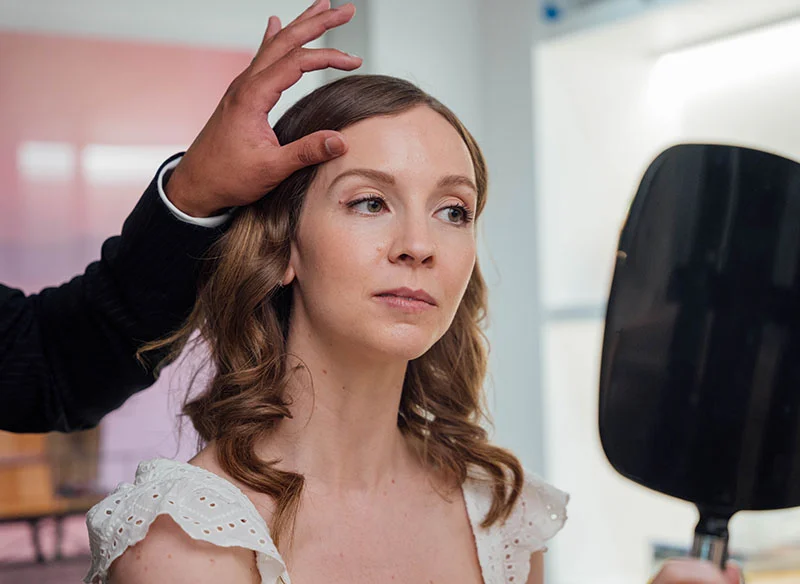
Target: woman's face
point(386, 244)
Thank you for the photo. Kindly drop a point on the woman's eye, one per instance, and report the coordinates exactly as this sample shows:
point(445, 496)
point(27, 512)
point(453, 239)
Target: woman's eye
point(369, 206)
point(457, 214)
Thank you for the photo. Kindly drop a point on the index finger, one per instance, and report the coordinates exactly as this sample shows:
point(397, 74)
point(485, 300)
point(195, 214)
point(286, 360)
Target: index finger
point(274, 26)
point(317, 7)
point(300, 32)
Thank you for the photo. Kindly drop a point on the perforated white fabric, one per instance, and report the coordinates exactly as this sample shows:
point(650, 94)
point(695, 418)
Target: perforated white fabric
point(209, 508)
point(204, 505)
point(505, 549)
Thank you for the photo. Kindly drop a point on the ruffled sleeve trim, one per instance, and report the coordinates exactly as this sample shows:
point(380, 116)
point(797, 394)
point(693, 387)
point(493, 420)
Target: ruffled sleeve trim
point(202, 504)
point(544, 511)
point(505, 549)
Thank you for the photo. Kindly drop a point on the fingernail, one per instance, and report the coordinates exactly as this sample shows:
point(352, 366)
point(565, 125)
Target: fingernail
point(334, 146)
point(356, 56)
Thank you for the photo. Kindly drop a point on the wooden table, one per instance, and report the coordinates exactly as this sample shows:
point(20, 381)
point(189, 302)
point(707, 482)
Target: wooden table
point(28, 492)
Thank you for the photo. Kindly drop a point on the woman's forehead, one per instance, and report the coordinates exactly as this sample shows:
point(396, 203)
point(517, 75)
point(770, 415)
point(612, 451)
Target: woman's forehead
point(415, 143)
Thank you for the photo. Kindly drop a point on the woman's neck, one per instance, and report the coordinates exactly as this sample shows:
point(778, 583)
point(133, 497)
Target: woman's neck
point(343, 435)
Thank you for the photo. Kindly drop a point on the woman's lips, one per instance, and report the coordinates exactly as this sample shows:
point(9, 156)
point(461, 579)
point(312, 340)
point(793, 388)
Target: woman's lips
point(408, 293)
point(407, 299)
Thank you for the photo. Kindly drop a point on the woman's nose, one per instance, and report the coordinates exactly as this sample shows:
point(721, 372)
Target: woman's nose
point(413, 242)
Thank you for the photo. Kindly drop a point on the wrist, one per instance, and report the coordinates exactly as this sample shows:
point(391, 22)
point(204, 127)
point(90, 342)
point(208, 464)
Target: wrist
point(187, 196)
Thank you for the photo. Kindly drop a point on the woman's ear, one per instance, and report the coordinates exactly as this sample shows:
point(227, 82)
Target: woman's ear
point(288, 276)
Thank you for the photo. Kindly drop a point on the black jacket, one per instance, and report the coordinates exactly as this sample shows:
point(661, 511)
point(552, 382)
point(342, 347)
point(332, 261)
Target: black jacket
point(67, 354)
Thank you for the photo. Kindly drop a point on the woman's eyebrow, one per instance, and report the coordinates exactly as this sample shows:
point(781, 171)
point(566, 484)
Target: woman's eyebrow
point(369, 173)
point(457, 180)
point(451, 180)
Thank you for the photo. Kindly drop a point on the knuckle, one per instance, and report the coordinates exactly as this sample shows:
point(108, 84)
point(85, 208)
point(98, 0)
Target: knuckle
point(242, 92)
point(232, 98)
point(296, 54)
point(291, 36)
point(235, 96)
point(234, 85)
point(306, 154)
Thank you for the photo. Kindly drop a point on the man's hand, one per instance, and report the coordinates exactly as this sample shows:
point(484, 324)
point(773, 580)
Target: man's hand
point(691, 571)
point(236, 158)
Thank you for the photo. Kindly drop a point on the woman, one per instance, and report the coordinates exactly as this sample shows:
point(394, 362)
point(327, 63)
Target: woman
point(342, 319)
point(342, 422)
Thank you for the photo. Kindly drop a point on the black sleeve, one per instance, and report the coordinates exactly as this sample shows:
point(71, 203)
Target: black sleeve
point(67, 354)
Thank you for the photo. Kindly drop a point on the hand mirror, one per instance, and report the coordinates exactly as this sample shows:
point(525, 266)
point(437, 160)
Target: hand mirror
point(700, 371)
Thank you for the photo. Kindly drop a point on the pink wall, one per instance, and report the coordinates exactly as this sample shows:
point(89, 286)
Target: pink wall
point(67, 96)
point(81, 92)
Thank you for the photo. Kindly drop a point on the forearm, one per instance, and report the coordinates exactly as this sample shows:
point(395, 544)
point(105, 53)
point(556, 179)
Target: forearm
point(67, 355)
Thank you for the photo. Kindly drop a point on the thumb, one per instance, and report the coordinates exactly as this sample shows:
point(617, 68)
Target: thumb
point(734, 573)
point(313, 149)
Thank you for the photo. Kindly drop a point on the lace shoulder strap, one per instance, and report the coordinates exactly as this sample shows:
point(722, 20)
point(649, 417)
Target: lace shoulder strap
point(505, 549)
point(204, 505)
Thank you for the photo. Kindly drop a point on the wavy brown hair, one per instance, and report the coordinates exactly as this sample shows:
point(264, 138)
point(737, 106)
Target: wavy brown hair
point(242, 315)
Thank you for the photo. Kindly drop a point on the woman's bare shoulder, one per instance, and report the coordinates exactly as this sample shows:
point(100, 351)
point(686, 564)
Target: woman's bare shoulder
point(207, 459)
point(169, 554)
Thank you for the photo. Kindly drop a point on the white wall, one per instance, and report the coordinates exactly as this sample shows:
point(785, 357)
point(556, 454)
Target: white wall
point(507, 33)
point(595, 138)
point(752, 96)
point(433, 45)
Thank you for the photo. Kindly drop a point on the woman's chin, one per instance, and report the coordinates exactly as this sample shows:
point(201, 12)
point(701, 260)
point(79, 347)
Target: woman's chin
point(400, 347)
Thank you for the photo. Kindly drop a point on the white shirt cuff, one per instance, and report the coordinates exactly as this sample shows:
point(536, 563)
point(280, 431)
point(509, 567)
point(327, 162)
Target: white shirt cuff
point(214, 221)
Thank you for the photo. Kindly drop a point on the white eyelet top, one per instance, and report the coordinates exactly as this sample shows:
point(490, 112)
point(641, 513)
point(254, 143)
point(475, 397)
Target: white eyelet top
point(210, 508)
